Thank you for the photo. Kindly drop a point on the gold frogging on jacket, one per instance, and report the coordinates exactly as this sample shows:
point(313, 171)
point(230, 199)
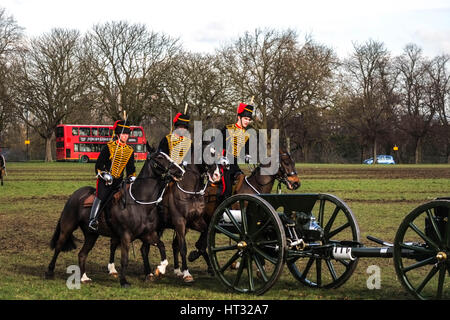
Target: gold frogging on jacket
point(122, 154)
point(178, 147)
point(238, 137)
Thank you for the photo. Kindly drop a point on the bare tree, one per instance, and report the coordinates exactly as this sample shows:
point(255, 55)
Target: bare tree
point(256, 66)
point(367, 87)
point(10, 44)
point(196, 80)
point(128, 66)
point(440, 86)
point(50, 83)
point(417, 107)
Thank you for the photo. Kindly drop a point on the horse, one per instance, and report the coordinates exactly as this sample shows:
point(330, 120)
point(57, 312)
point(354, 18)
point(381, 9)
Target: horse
point(2, 168)
point(138, 219)
point(182, 208)
point(256, 183)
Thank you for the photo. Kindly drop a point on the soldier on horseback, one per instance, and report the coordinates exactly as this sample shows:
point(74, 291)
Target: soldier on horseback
point(235, 141)
point(2, 167)
point(177, 144)
point(115, 156)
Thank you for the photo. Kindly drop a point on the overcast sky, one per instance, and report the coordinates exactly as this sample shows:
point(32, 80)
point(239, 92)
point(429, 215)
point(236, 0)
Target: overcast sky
point(206, 25)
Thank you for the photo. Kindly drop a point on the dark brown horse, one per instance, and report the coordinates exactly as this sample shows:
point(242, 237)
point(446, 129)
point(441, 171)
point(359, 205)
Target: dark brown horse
point(2, 168)
point(182, 208)
point(138, 219)
point(258, 182)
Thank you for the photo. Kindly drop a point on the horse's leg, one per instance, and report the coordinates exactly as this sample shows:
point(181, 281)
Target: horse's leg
point(114, 242)
point(62, 241)
point(89, 242)
point(124, 248)
point(161, 269)
point(201, 246)
point(145, 248)
point(176, 250)
point(181, 235)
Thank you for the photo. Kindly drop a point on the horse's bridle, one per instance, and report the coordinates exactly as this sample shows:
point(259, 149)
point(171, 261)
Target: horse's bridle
point(282, 176)
point(285, 175)
point(164, 174)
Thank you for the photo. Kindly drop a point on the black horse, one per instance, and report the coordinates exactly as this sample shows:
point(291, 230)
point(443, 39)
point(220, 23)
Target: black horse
point(2, 168)
point(138, 219)
point(182, 208)
point(258, 182)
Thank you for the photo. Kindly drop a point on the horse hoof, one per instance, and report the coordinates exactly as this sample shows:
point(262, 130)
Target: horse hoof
point(115, 275)
point(86, 281)
point(125, 285)
point(235, 265)
point(194, 255)
point(158, 274)
point(49, 275)
point(149, 278)
point(188, 279)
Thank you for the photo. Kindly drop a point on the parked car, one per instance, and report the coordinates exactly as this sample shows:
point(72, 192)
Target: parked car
point(381, 159)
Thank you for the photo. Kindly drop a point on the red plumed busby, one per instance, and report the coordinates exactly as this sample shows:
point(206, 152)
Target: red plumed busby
point(181, 120)
point(120, 126)
point(245, 110)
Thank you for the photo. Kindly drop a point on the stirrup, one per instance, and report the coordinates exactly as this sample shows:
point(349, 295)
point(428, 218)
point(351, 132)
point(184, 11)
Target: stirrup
point(93, 225)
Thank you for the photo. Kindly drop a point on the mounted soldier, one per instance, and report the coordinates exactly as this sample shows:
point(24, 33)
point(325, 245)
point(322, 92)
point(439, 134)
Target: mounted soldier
point(2, 167)
point(177, 144)
point(235, 145)
point(115, 156)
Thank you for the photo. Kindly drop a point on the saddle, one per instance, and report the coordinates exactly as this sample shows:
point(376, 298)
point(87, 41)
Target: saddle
point(239, 180)
point(117, 196)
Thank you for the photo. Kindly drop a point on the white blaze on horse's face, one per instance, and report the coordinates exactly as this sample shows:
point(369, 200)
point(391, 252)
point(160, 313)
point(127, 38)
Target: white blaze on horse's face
point(216, 175)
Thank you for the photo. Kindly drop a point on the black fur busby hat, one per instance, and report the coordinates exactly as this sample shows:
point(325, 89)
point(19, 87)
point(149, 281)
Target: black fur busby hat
point(120, 126)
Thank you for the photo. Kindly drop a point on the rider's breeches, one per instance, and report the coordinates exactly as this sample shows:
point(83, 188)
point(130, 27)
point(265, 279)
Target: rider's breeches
point(103, 191)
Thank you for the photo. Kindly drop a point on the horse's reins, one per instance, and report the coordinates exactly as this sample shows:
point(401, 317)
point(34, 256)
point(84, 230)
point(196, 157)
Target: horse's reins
point(280, 178)
point(160, 198)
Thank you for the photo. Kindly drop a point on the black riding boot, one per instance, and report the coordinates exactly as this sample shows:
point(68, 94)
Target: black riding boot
point(93, 224)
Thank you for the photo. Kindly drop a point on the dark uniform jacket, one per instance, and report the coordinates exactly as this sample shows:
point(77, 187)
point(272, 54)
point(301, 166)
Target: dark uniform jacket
point(235, 147)
point(114, 158)
point(177, 148)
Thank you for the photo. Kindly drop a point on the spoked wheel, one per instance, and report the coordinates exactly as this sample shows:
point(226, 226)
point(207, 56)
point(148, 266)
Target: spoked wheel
point(422, 251)
point(246, 244)
point(339, 225)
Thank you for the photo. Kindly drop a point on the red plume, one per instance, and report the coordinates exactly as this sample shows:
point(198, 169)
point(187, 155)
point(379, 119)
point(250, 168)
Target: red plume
point(176, 117)
point(241, 107)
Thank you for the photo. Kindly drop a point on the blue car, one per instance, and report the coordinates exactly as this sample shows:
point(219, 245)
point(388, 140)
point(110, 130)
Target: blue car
point(381, 159)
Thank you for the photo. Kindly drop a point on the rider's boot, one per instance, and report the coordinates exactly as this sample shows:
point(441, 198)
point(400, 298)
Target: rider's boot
point(93, 223)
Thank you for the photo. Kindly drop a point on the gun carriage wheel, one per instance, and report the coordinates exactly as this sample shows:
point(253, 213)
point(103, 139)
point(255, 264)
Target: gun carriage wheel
point(422, 251)
point(323, 222)
point(246, 230)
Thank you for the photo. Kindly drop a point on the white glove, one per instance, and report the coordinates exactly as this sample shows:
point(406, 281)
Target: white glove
point(107, 177)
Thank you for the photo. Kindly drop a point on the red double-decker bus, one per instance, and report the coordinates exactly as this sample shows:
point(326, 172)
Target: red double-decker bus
point(84, 142)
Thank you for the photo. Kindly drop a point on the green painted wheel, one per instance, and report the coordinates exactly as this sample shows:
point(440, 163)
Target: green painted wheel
point(422, 251)
point(339, 224)
point(246, 244)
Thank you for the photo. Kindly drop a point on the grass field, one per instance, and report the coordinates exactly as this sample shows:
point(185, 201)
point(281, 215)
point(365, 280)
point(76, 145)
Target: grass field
point(34, 194)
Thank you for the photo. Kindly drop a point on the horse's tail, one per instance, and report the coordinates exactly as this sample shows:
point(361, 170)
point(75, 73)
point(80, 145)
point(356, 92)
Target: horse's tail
point(68, 245)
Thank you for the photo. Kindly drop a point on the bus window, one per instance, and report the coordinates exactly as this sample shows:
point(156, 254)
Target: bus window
point(85, 131)
point(94, 131)
point(60, 132)
point(85, 147)
point(59, 144)
point(138, 148)
point(76, 147)
point(103, 132)
point(74, 131)
point(137, 132)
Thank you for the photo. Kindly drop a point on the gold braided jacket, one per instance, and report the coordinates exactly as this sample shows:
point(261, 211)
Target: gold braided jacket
point(178, 147)
point(238, 138)
point(119, 153)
